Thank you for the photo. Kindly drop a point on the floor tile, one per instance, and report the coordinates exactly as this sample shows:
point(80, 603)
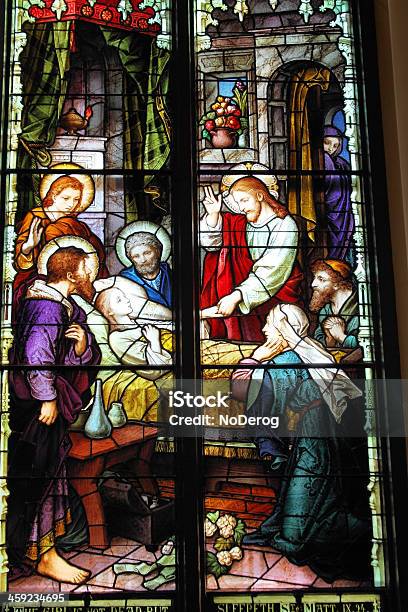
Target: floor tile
point(129, 582)
point(120, 547)
point(169, 586)
point(69, 554)
point(235, 583)
point(322, 584)
point(94, 563)
point(211, 583)
point(273, 585)
point(141, 554)
point(285, 571)
point(34, 584)
point(64, 587)
point(252, 564)
point(272, 558)
point(106, 578)
point(91, 588)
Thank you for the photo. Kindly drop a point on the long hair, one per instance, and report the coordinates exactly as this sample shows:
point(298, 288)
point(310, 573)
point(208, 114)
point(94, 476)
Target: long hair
point(254, 185)
point(61, 183)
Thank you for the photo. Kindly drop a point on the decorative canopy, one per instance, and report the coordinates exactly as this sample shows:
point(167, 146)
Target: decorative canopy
point(134, 15)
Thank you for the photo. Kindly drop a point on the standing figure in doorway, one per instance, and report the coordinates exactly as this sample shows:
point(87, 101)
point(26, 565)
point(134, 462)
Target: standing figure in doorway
point(340, 223)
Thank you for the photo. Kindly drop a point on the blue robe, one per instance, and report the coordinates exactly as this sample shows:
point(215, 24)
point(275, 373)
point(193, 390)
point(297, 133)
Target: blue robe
point(312, 522)
point(163, 294)
point(339, 212)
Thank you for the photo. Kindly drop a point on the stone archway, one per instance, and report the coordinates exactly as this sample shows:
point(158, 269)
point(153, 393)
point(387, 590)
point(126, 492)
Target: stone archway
point(302, 96)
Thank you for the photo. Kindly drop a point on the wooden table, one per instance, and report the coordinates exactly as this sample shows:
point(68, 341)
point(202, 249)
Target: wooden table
point(88, 458)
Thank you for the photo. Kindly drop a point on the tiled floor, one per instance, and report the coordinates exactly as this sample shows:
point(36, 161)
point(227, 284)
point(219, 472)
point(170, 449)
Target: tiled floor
point(101, 564)
point(260, 569)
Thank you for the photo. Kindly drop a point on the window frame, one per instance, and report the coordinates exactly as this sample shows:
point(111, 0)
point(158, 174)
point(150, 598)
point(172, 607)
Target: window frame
point(190, 588)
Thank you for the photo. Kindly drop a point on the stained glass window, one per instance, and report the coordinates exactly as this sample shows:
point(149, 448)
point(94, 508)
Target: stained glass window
point(190, 351)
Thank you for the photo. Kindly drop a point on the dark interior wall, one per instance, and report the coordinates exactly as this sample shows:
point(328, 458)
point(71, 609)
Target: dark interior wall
point(392, 39)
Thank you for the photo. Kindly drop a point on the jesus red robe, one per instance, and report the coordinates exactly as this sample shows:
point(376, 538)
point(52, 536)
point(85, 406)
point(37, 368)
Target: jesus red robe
point(225, 269)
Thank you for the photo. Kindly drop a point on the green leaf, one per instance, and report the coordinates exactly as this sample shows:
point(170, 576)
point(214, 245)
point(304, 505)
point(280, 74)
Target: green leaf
point(239, 532)
point(211, 115)
point(206, 134)
point(213, 516)
point(223, 544)
point(213, 567)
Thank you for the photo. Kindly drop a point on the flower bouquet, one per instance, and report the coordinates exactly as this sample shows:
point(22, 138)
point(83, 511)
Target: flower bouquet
point(229, 533)
point(226, 120)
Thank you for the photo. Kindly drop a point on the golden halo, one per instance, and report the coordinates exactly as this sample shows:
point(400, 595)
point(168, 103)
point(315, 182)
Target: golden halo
point(88, 192)
point(142, 226)
point(67, 241)
point(228, 180)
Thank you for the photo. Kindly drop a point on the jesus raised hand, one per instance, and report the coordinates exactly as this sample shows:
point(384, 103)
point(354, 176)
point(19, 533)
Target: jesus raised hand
point(212, 204)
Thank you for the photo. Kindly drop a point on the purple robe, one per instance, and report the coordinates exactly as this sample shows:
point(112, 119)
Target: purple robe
point(39, 509)
point(339, 213)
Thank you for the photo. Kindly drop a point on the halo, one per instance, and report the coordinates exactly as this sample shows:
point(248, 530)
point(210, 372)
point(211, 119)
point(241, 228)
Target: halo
point(88, 192)
point(67, 241)
point(228, 180)
point(142, 226)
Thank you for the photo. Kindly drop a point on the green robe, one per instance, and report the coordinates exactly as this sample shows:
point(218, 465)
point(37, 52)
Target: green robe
point(312, 523)
point(348, 312)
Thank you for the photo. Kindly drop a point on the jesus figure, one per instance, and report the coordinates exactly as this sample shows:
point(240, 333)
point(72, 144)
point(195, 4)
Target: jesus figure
point(250, 264)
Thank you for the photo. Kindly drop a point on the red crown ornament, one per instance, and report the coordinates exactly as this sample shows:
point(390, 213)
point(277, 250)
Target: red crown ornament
point(123, 14)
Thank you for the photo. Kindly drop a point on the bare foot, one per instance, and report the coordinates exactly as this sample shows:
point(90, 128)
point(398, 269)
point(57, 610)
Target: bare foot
point(53, 566)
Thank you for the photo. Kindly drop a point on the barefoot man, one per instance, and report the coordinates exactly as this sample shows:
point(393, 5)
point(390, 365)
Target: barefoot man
point(46, 397)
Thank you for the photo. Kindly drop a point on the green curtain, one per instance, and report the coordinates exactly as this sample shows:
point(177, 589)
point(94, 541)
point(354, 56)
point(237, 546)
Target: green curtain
point(45, 63)
point(157, 144)
point(146, 138)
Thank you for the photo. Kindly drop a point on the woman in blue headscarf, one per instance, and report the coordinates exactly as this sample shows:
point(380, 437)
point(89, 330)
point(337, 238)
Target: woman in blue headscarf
point(337, 198)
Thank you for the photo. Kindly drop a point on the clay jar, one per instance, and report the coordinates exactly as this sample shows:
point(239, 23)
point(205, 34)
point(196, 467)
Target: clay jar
point(117, 415)
point(223, 138)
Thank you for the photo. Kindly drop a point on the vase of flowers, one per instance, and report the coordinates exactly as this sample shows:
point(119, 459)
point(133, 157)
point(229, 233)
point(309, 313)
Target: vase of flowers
point(224, 123)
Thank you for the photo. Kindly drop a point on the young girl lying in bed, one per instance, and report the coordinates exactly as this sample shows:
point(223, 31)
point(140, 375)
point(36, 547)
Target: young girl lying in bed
point(134, 342)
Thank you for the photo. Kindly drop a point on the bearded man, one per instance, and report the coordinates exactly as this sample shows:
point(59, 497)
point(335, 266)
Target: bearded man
point(250, 263)
point(144, 250)
point(46, 397)
point(336, 302)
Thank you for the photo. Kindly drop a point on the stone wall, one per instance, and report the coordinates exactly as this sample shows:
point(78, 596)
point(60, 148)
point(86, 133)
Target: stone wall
point(260, 47)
